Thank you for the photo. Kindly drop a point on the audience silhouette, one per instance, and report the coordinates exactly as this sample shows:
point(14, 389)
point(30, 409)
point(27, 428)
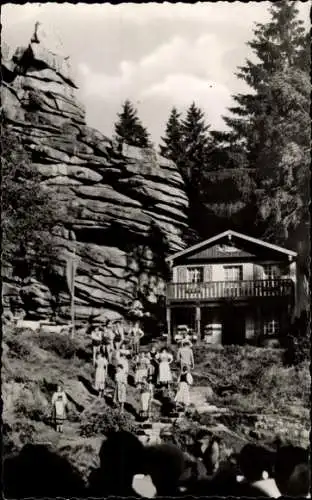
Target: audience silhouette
point(129, 469)
point(37, 472)
point(121, 458)
point(292, 471)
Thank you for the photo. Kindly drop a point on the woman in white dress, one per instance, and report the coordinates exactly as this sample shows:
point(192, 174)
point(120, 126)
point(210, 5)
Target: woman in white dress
point(164, 359)
point(59, 402)
point(183, 393)
point(101, 363)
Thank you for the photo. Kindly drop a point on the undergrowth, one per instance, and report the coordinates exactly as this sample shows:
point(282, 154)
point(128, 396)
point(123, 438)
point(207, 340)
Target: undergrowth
point(99, 419)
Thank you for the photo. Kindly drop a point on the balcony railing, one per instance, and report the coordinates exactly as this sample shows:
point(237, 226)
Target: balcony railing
point(215, 290)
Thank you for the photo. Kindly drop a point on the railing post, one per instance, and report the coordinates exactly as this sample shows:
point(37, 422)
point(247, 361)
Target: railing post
point(168, 319)
point(198, 322)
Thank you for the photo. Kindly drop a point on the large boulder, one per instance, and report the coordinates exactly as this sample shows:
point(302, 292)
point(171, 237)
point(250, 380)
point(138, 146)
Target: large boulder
point(113, 198)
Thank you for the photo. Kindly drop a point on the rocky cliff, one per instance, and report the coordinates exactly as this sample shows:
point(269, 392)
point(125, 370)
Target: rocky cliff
point(116, 201)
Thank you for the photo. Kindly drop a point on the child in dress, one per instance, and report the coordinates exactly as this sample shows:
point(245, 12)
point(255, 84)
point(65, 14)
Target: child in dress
point(121, 387)
point(136, 335)
point(147, 391)
point(119, 334)
point(141, 369)
point(183, 393)
point(123, 361)
point(101, 364)
point(96, 336)
point(59, 402)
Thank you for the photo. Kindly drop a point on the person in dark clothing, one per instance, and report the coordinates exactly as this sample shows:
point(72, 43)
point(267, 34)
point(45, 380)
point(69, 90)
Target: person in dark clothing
point(168, 405)
point(121, 458)
point(165, 465)
point(256, 465)
point(37, 472)
point(211, 455)
point(292, 471)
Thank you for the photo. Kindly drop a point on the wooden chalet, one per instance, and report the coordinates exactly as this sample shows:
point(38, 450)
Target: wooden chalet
point(244, 285)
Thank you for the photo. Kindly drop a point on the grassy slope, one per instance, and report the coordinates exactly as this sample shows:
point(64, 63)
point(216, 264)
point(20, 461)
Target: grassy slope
point(255, 380)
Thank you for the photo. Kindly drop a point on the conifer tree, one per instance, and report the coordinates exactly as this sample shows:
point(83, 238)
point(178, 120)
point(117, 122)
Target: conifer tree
point(267, 125)
point(29, 211)
point(172, 147)
point(129, 128)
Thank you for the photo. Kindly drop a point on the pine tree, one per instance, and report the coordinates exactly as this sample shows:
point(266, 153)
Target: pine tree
point(267, 124)
point(29, 211)
point(172, 148)
point(129, 129)
point(195, 145)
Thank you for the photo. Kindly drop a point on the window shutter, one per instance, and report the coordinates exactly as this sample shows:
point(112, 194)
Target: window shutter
point(207, 274)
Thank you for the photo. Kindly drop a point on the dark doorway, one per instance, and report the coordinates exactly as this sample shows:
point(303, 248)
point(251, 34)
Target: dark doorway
point(233, 325)
point(183, 316)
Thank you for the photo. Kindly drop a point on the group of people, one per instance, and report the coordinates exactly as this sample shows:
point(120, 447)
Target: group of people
point(113, 346)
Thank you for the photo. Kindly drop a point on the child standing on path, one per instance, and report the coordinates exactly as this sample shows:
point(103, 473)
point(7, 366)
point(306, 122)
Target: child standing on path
point(109, 334)
point(96, 336)
point(100, 372)
point(136, 336)
point(141, 368)
point(119, 334)
point(121, 388)
point(183, 393)
point(59, 402)
point(146, 397)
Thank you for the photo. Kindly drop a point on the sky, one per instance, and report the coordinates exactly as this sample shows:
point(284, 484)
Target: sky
point(158, 55)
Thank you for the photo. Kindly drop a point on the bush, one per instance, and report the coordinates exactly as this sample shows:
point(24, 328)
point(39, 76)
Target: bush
point(32, 405)
point(83, 456)
point(25, 430)
point(297, 342)
point(61, 345)
point(100, 419)
point(19, 344)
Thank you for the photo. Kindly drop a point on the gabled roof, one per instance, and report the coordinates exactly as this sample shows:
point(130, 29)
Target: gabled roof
point(230, 233)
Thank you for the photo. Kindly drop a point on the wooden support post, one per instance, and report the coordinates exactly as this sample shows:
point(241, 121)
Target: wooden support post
point(168, 318)
point(198, 323)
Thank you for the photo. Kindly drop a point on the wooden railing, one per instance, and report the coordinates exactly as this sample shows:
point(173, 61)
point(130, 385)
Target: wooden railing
point(230, 289)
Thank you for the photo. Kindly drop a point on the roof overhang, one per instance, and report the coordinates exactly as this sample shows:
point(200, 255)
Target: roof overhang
point(231, 234)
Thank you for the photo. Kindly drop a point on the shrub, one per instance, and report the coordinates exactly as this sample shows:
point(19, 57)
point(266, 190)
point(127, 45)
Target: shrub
point(19, 344)
point(297, 342)
point(83, 456)
point(72, 415)
point(32, 405)
point(100, 419)
point(25, 430)
point(61, 345)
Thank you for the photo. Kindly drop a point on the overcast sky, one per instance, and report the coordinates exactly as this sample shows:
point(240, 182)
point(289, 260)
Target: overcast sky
point(157, 55)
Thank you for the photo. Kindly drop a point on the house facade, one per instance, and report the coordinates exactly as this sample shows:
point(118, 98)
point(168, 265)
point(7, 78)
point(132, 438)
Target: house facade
point(233, 288)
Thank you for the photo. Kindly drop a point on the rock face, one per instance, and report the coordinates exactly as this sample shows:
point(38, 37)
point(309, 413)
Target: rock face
point(113, 200)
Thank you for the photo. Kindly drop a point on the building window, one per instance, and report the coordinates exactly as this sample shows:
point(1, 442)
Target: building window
point(233, 273)
point(270, 272)
point(195, 274)
point(271, 327)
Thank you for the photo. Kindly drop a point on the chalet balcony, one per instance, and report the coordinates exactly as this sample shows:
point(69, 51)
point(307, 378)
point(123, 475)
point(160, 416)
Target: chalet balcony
point(218, 290)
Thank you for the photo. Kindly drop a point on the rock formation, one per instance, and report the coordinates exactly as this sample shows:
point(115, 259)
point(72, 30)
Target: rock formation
point(113, 200)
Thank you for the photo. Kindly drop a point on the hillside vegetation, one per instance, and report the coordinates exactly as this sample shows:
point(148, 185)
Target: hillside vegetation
point(246, 381)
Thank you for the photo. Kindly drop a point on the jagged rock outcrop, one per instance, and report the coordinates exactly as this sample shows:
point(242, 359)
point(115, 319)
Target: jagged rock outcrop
point(114, 200)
